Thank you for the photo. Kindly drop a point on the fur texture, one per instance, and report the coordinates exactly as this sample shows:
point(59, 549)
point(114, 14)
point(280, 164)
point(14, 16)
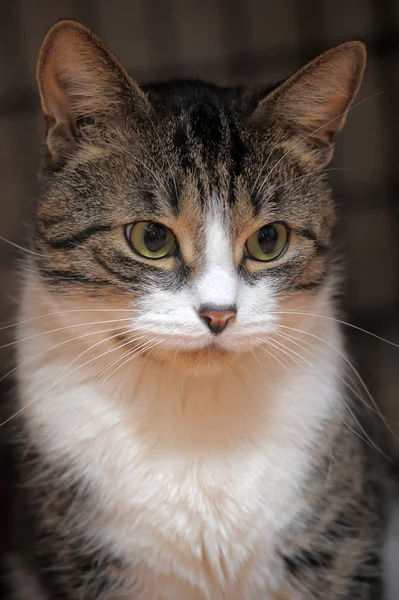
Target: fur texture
point(160, 460)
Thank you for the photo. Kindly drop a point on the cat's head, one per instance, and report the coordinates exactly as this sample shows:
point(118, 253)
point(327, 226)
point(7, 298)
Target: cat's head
point(203, 212)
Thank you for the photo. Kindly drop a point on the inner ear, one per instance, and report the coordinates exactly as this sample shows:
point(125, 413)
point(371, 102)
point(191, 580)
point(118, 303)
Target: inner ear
point(314, 102)
point(80, 84)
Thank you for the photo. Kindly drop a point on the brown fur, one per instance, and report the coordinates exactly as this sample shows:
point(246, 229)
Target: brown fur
point(120, 154)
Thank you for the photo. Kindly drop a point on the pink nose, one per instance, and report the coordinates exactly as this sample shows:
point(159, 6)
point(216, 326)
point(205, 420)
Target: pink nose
point(216, 318)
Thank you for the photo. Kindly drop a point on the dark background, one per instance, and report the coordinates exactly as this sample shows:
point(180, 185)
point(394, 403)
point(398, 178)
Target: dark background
point(231, 42)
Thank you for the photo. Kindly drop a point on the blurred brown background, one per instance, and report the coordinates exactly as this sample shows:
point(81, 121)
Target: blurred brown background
point(231, 42)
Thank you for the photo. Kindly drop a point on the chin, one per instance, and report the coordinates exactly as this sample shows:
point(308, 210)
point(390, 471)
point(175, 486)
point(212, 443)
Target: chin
point(210, 360)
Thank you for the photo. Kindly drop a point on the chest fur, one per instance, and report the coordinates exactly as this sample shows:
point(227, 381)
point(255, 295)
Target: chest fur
point(195, 481)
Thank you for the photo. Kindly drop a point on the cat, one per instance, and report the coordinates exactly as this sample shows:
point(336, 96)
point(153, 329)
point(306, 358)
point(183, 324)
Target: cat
point(185, 428)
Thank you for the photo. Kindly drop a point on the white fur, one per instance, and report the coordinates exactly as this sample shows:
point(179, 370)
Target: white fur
point(196, 475)
point(172, 317)
point(218, 284)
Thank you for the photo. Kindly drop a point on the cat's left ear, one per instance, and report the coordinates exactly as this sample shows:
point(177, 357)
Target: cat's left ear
point(80, 82)
point(314, 102)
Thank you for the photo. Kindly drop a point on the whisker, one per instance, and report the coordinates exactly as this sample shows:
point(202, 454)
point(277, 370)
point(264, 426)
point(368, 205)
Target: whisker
point(275, 142)
point(57, 329)
point(375, 408)
point(296, 417)
point(344, 380)
point(145, 349)
point(116, 335)
point(302, 343)
point(112, 363)
point(57, 382)
point(52, 348)
point(126, 343)
point(300, 177)
point(367, 438)
point(267, 178)
point(67, 311)
point(374, 335)
point(275, 358)
point(15, 245)
point(345, 112)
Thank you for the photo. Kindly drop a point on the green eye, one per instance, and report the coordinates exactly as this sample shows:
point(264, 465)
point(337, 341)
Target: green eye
point(151, 240)
point(268, 242)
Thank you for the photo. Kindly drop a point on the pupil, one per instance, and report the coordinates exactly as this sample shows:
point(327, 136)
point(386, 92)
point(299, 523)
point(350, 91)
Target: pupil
point(267, 239)
point(154, 237)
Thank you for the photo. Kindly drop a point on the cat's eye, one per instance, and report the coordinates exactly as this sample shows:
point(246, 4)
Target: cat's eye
point(268, 243)
point(150, 239)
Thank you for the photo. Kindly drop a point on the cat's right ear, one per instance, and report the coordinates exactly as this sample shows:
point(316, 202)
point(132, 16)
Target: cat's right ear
point(81, 82)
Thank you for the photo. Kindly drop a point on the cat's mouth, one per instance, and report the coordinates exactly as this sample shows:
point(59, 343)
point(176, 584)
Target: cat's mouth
point(209, 359)
point(211, 351)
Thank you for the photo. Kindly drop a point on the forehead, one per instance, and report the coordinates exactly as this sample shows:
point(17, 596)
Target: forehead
point(198, 146)
point(202, 137)
point(196, 156)
point(209, 162)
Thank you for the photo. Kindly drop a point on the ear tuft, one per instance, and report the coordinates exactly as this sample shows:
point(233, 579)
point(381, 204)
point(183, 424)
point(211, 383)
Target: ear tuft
point(80, 81)
point(315, 101)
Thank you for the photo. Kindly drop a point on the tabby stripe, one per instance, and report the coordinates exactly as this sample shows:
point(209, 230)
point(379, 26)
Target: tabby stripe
point(79, 238)
point(309, 235)
point(71, 277)
point(311, 285)
point(307, 559)
point(124, 278)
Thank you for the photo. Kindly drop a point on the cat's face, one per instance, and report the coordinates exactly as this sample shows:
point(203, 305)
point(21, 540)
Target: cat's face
point(202, 211)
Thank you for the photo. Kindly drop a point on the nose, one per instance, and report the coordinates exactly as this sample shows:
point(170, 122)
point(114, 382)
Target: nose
point(216, 317)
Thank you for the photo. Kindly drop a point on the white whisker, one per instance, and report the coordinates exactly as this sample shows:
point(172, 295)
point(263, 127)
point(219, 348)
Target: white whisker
point(103, 341)
point(275, 142)
point(374, 335)
point(306, 175)
point(127, 342)
point(52, 348)
point(57, 382)
point(64, 328)
point(27, 250)
point(367, 438)
point(345, 112)
point(302, 343)
point(274, 357)
point(145, 349)
point(68, 311)
point(375, 408)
